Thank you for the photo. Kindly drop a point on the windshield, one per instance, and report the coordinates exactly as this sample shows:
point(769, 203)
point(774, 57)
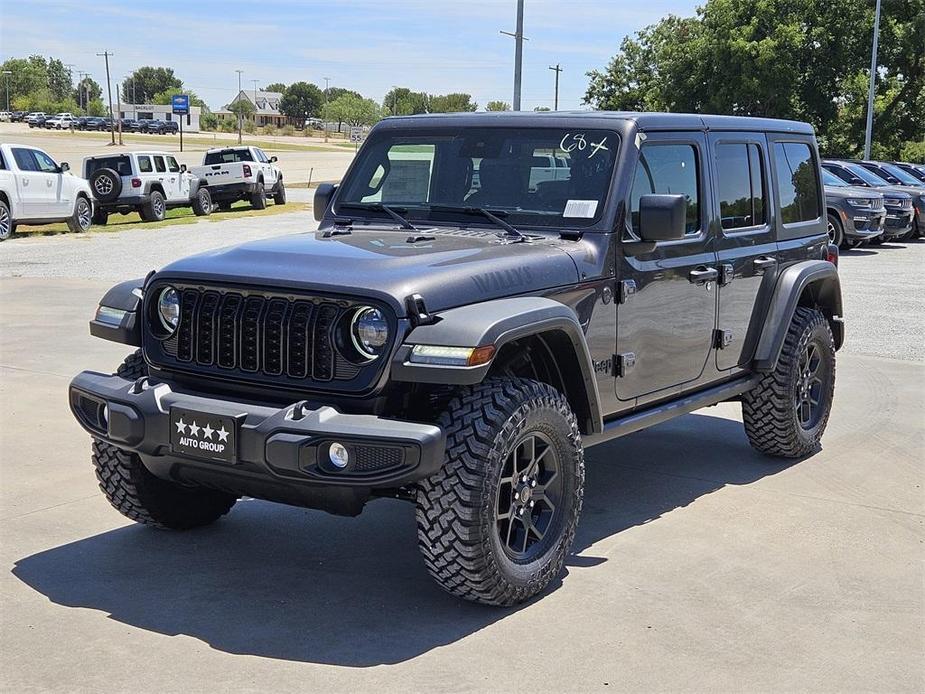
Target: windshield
point(830, 179)
point(535, 176)
point(228, 156)
point(905, 178)
point(865, 175)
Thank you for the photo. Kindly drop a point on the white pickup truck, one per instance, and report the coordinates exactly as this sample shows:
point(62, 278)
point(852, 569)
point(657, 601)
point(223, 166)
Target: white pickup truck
point(34, 189)
point(241, 173)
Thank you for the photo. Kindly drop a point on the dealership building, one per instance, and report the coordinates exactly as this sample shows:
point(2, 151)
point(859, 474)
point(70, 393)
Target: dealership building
point(162, 112)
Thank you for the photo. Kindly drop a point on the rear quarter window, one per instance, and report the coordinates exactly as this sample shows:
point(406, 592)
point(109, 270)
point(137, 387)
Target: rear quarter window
point(797, 182)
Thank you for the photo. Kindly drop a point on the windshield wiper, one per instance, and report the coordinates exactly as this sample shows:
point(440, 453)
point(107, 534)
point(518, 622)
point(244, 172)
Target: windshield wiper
point(508, 228)
point(379, 207)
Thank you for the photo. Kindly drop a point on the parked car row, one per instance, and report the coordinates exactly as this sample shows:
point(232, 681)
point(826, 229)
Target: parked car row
point(35, 189)
point(67, 121)
point(873, 201)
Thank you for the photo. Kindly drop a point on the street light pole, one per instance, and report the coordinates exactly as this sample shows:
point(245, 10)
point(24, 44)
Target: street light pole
point(240, 114)
point(518, 52)
point(873, 76)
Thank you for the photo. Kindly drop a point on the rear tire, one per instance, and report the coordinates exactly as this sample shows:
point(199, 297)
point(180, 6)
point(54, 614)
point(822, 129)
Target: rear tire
point(155, 209)
point(202, 202)
point(259, 197)
point(496, 522)
point(82, 219)
point(279, 197)
point(140, 496)
point(786, 413)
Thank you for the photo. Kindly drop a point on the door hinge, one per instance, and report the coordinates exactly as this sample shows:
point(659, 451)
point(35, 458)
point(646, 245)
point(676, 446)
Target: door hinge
point(622, 363)
point(722, 338)
point(726, 274)
point(627, 289)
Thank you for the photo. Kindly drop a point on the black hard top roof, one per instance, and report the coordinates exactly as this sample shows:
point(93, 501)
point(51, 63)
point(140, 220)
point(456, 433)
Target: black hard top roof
point(602, 119)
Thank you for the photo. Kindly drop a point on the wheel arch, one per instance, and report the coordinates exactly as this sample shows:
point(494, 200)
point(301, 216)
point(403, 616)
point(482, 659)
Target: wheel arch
point(545, 329)
point(812, 284)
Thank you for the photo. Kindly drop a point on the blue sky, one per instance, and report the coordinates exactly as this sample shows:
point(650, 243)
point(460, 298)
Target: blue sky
point(436, 46)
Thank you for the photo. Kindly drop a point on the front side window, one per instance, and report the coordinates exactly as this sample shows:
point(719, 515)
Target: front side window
point(529, 176)
point(668, 169)
point(740, 185)
point(144, 165)
point(159, 164)
point(798, 182)
point(172, 165)
point(45, 163)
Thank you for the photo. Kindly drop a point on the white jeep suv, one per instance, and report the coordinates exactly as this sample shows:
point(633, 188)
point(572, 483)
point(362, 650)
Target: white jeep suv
point(149, 183)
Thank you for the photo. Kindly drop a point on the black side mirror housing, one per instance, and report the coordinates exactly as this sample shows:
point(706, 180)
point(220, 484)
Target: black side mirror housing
point(662, 217)
point(64, 166)
point(182, 168)
point(324, 193)
point(273, 159)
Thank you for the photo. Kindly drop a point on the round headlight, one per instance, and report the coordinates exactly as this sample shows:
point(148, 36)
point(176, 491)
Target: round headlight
point(168, 309)
point(369, 331)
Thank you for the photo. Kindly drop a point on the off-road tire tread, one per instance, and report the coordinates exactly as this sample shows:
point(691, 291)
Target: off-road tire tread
point(199, 209)
point(451, 504)
point(767, 409)
point(259, 197)
point(140, 496)
point(279, 195)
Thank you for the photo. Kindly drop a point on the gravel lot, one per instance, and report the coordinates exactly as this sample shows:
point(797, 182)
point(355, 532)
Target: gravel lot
point(698, 565)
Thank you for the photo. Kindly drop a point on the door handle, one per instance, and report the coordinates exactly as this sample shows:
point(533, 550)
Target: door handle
point(764, 262)
point(703, 274)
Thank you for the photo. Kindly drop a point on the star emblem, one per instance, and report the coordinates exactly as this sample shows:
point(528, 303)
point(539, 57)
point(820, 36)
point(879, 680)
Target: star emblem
point(222, 434)
point(194, 428)
point(207, 431)
point(181, 426)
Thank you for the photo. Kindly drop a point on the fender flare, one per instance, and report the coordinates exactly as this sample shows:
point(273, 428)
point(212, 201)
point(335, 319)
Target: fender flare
point(154, 185)
point(122, 297)
point(497, 323)
point(809, 283)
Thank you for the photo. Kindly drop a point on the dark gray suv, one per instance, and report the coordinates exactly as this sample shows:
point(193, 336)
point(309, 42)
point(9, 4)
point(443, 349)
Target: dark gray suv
point(896, 199)
point(855, 215)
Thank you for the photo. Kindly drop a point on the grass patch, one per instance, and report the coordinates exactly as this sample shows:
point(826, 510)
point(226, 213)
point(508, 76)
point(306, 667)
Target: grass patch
point(306, 184)
point(199, 139)
point(175, 217)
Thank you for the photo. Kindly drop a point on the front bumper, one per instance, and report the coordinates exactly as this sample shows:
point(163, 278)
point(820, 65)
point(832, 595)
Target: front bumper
point(898, 222)
point(861, 224)
point(273, 445)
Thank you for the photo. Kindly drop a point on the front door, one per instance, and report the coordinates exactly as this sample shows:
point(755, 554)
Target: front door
point(667, 311)
point(746, 247)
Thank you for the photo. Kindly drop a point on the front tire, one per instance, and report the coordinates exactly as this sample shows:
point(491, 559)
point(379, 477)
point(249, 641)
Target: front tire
point(140, 496)
point(279, 197)
point(786, 413)
point(82, 219)
point(6, 221)
point(496, 522)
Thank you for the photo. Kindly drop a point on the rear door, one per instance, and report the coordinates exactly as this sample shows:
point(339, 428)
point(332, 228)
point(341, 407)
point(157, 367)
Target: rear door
point(166, 179)
point(667, 311)
point(746, 246)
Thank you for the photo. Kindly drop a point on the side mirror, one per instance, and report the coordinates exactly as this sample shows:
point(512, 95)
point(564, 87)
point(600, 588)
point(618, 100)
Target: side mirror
point(273, 159)
point(324, 193)
point(64, 167)
point(662, 217)
point(182, 168)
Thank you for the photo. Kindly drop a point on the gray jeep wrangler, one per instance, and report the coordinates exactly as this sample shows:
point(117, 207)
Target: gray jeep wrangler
point(486, 296)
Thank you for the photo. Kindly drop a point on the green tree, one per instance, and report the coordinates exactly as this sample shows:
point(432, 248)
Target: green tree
point(28, 77)
point(802, 59)
point(87, 90)
point(95, 107)
point(497, 106)
point(241, 108)
point(352, 109)
point(275, 87)
point(301, 100)
point(60, 80)
point(401, 101)
point(333, 92)
point(450, 103)
point(149, 81)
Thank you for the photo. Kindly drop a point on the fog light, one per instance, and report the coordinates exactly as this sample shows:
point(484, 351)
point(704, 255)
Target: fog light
point(338, 456)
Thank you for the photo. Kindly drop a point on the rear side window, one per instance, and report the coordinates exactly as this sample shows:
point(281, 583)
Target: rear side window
point(741, 189)
point(669, 169)
point(798, 182)
point(160, 165)
point(144, 165)
point(24, 159)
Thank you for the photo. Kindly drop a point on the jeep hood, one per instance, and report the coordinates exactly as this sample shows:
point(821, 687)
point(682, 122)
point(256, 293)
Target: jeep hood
point(448, 268)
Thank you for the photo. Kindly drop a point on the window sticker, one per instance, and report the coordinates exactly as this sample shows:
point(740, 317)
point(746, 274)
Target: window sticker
point(583, 209)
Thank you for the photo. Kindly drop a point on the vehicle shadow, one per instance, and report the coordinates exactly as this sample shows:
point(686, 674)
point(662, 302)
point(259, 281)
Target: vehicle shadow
point(300, 585)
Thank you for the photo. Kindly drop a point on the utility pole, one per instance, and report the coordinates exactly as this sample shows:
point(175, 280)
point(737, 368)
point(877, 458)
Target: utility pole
point(557, 70)
point(80, 89)
point(7, 73)
point(112, 130)
point(119, 109)
point(873, 76)
point(324, 120)
point(518, 51)
point(240, 112)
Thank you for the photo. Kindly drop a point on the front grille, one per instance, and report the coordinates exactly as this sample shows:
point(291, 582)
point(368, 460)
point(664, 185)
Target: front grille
point(259, 336)
point(901, 203)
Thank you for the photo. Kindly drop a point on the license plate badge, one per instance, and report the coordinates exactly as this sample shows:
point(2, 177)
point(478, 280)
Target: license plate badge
point(203, 435)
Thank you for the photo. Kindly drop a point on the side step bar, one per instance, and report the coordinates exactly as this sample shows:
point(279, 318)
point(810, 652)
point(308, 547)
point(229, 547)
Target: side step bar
point(675, 408)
